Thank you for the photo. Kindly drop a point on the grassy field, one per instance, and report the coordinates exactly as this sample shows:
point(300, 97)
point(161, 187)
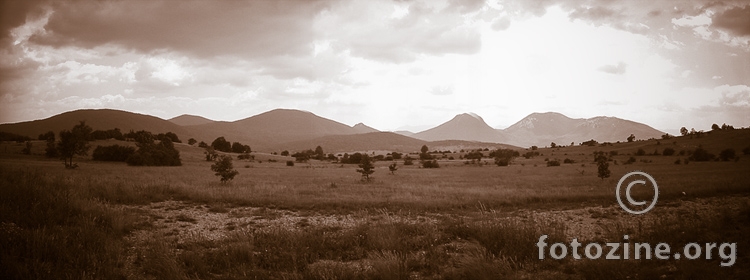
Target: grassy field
point(317, 220)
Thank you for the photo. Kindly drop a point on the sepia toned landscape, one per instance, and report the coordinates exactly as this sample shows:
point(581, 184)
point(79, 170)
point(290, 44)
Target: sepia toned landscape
point(374, 139)
point(285, 217)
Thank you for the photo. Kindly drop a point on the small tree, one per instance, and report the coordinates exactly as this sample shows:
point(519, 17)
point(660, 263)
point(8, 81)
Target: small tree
point(393, 167)
point(27, 150)
point(192, 141)
point(631, 138)
point(74, 142)
point(366, 168)
point(602, 163)
point(210, 154)
point(51, 150)
point(553, 145)
point(408, 160)
point(224, 168)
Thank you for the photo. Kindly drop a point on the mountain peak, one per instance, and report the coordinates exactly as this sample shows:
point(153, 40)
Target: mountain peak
point(185, 119)
point(362, 128)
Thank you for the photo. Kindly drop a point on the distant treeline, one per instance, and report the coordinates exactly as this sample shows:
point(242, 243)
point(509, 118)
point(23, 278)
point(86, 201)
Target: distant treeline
point(118, 135)
point(7, 136)
point(149, 153)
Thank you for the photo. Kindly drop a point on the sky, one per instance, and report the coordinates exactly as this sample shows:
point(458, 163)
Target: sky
point(392, 65)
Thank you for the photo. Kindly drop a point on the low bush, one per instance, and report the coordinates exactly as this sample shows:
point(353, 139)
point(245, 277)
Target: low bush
point(113, 153)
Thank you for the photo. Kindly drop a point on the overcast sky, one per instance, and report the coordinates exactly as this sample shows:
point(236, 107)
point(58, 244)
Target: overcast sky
point(389, 64)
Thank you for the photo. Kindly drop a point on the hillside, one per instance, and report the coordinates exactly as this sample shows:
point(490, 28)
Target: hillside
point(468, 127)
point(101, 119)
point(268, 129)
point(541, 129)
point(362, 128)
point(185, 120)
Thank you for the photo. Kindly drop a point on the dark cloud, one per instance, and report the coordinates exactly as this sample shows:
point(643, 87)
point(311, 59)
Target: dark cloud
point(618, 69)
point(13, 13)
point(735, 20)
point(202, 28)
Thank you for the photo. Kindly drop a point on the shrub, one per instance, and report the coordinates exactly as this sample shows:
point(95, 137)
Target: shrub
point(668, 152)
point(113, 153)
point(553, 163)
point(640, 152)
point(567, 160)
point(630, 160)
point(678, 161)
point(602, 165)
point(727, 154)
point(700, 154)
point(224, 168)
point(408, 160)
point(430, 164)
point(502, 161)
point(245, 156)
point(150, 154)
point(289, 163)
point(746, 150)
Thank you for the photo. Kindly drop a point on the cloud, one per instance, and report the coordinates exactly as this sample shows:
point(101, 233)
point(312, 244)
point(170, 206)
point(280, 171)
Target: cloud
point(501, 24)
point(618, 69)
point(200, 28)
point(360, 29)
point(735, 20)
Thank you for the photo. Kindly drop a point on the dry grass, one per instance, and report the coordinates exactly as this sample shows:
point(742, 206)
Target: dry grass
point(59, 223)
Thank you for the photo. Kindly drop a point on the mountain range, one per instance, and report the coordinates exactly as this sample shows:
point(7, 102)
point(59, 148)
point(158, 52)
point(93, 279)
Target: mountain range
point(286, 129)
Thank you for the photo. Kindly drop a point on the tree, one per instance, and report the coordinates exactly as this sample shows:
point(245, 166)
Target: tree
point(224, 168)
point(74, 142)
point(192, 141)
point(51, 150)
point(47, 136)
point(27, 150)
point(631, 138)
point(210, 154)
point(393, 168)
point(602, 163)
point(284, 153)
point(684, 131)
point(533, 148)
point(408, 160)
point(202, 145)
point(221, 144)
point(715, 127)
point(553, 145)
point(424, 149)
point(319, 154)
point(366, 168)
point(153, 154)
point(239, 148)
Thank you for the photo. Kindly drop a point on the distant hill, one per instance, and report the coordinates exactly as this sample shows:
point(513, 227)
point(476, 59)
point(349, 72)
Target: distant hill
point(285, 129)
point(405, 133)
point(101, 119)
point(468, 127)
point(185, 120)
point(362, 128)
point(271, 128)
point(541, 129)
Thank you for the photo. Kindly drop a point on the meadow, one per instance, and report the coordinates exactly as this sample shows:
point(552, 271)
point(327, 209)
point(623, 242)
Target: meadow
point(318, 220)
